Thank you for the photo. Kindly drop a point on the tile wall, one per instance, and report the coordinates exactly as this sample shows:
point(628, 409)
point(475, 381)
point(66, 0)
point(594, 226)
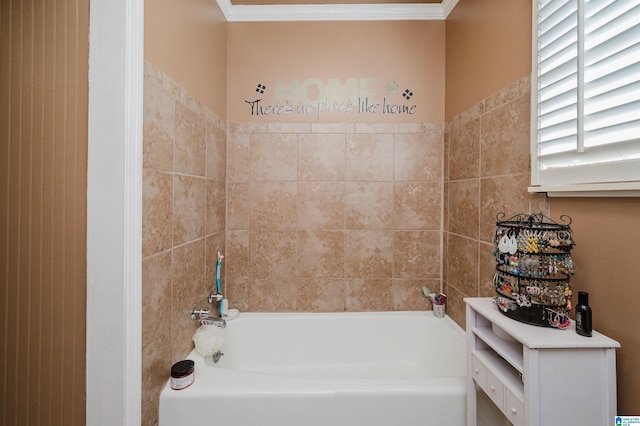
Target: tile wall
point(486, 172)
point(319, 216)
point(333, 217)
point(183, 224)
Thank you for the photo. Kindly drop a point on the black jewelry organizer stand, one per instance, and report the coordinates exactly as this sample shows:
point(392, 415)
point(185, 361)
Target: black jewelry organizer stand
point(533, 267)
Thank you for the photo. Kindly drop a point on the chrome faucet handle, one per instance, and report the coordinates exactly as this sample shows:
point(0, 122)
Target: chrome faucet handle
point(199, 313)
point(215, 296)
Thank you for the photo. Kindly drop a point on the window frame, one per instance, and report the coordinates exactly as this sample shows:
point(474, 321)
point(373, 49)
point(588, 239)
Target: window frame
point(562, 184)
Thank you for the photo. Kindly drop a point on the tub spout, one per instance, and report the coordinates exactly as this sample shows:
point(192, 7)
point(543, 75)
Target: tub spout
point(220, 322)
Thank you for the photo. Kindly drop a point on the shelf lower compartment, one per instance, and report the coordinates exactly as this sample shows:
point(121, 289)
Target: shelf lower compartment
point(509, 351)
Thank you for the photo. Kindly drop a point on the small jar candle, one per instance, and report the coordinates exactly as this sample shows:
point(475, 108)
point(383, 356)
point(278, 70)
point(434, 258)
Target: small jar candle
point(182, 373)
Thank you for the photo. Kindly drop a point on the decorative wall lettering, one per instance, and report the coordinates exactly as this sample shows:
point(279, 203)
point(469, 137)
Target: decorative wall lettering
point(316, 97)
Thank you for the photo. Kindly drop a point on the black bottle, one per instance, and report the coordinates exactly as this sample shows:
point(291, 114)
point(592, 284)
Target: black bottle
point(583, 314)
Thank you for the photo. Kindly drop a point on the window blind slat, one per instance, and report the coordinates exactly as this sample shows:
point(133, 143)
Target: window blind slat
point(621, 45)
point(614, 17)
point(568, 54)
point(549, 7)
point(612, 81)
point(554, 146)
point(620, 65)
point(624, 98)
point(619, 114)
point(628, 131)
point(565, 99)
point(561, 41)
point(557, 131)
point(552, 33)
point(557, 17)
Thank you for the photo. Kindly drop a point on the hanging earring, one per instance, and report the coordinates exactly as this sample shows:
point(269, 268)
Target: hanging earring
point(503, 245)
point(513, 245)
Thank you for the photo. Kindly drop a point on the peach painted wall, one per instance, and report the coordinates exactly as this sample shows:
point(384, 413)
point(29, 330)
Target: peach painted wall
point(486, 43)
point(187, 40)
point(358, 58)
point(481, 32)
point(606, 232)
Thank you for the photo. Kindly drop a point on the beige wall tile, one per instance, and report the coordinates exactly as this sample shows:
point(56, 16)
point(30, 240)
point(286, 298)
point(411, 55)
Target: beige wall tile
point(237, 254)
point(321, 205)
point(273, 294)
point(158, 127)
point(464, 155)
point(272, 254)
point(321, 157)
point(369, 294)
point(418, 157)
point(505, 139)
point(238, 205)
point(238, 152)
point(369, 157)
point(337, 128)
point(320, 254)
point(273, 205)
point(274, 157)
point(408, 296)
point(238, 292)
point(456, 308)
point(190, 142)
point(216, 151)
point(462, 262)
point(417, 205)
point(416, 254)
point(513, 91)
point(504, 194)
point(376, 128)
point(247, 127)
point(487, 270)
point(156, 328)
point(188, 288)
point(296, 128)
point(157, 211)
point(369, 205)
point(369, 254)
point(189, 208)
point(321, 294)
point(216, 206)
point(464, 204)
point(471, 113)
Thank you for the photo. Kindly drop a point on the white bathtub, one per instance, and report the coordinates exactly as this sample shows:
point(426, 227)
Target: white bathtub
point(338, 369)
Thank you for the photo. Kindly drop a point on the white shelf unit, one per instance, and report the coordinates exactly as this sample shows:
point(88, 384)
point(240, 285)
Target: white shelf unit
point(538, 376)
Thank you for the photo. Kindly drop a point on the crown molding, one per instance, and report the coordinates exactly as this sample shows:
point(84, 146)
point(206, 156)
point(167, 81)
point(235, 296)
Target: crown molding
point(337, 12)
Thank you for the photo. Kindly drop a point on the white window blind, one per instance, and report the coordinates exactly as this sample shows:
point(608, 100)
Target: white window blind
point(586, 105)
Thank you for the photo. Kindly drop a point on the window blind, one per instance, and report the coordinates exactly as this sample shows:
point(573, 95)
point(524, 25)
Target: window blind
point(586, 116)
